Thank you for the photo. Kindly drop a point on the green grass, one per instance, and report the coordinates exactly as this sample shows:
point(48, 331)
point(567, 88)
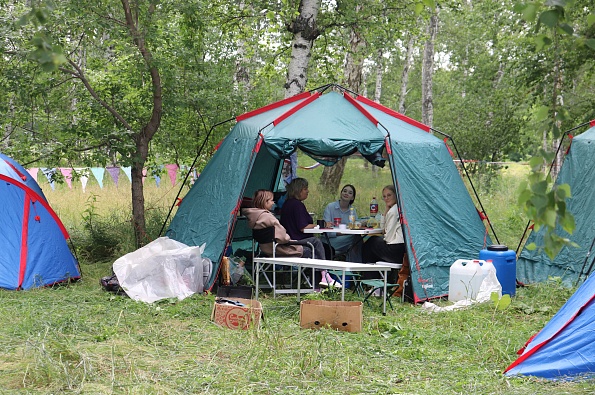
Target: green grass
point(79, 339)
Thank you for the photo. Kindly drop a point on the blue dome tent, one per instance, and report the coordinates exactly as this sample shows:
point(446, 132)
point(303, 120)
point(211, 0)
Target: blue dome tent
point(32, 237)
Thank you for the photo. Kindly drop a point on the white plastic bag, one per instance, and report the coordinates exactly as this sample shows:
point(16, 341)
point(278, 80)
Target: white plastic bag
point(164, 268)
point(489, 285)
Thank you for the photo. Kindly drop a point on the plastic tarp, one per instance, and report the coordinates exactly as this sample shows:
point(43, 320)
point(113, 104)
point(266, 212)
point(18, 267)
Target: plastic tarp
point(563, 349)
point(162, 269)
point(578, 171)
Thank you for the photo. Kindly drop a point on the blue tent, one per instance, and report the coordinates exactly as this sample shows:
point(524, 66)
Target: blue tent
point(32, 237)
point(564, 347)
point(441, 223)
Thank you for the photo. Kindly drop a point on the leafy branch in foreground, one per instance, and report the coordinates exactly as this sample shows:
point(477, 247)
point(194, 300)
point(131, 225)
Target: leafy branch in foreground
point(546, 208)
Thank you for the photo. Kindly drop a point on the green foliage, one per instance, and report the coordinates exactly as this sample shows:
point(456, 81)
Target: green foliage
point(47, 54)
point(101, 238)
point(546, 207)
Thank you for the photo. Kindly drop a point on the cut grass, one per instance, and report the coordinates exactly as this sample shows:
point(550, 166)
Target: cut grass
point(80, 339)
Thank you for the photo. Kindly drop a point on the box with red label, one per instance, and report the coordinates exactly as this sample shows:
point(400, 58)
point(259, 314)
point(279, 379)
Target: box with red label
point(237, 313)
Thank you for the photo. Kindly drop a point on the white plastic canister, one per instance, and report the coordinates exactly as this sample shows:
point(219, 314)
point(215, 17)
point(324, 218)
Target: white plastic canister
point(466, 276)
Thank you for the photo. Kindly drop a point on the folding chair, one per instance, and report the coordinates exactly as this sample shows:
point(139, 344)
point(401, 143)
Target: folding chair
point(350, 277)
point(378, 284)
point(266, 236)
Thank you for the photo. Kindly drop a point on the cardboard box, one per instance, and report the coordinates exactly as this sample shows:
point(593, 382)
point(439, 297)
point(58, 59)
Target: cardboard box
point(237, 317)
point(342, 316)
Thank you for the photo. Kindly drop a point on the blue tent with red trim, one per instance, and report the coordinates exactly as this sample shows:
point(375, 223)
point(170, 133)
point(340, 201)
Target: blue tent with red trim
point(440, 221)
point(33, 240)
point(563, 349)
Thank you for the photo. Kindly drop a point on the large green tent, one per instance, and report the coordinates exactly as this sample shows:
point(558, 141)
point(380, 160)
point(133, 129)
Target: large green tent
point(441, 223)
point(571, 263)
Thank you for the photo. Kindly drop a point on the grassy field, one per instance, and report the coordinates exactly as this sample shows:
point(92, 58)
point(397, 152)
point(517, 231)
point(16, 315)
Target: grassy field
point(80, 339)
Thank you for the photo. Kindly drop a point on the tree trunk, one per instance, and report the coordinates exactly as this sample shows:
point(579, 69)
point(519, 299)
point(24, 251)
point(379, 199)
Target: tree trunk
point(305, 31)
point(427, 105)
point(331, 176)
point(241, 76)
point(405, 74)
point(379, 74)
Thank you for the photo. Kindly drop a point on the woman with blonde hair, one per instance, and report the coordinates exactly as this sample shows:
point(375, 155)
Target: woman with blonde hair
point(260, 216)
point(391, 247)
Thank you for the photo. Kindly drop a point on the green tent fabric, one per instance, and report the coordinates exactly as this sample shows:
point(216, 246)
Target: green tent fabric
point(441, 222)
point(578, 171)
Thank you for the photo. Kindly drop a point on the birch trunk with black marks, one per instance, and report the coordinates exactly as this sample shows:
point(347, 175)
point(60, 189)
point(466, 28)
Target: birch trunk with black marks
point(427, 101)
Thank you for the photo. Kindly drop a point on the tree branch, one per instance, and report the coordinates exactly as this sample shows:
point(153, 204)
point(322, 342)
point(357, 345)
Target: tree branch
point(138, 39)
point(80, 75)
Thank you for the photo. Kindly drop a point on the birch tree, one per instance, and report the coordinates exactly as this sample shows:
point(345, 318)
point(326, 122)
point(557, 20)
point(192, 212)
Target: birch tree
point(427, 101)
point(305, 30)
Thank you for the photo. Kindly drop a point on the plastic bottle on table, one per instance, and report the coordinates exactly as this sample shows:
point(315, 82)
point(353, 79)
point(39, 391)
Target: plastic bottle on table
point(351, 218)
point(373, 207)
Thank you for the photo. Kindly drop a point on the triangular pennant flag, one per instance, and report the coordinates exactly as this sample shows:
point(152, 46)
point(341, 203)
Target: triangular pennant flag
point(172, 170)
point(49, 174)
point(67, 173)
point(114, 171)
point(83, 174)
point(144, 175)
point(156, 175)
point(128, 171)
point(33, 172)
point(98, 173)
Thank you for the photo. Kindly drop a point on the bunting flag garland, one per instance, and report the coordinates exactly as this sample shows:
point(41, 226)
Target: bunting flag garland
point(83, 174)
point(67, 173)
point(172, 171)
point(33, 172)
point(114, 172)
point(128, 171)
point(49, 174)
point(98, 173)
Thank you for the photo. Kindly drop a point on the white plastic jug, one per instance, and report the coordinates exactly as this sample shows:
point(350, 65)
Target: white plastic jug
point(466, 276)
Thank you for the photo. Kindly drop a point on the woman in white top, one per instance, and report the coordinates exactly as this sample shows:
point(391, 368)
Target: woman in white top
point(391, 247)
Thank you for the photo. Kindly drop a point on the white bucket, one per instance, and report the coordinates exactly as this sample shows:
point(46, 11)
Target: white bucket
point(466, 276)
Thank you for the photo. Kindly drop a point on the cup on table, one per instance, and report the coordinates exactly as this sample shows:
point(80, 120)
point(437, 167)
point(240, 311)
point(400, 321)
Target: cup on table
point(321, 223)
point(342, 226)
point(337, 222)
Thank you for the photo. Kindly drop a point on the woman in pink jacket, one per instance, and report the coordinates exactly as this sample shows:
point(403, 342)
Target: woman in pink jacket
point(260, 217)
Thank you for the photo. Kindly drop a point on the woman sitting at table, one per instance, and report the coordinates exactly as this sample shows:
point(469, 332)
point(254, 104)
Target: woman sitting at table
point(260, 217)
point(294, 215)
point(391, 247)
point(343, 244)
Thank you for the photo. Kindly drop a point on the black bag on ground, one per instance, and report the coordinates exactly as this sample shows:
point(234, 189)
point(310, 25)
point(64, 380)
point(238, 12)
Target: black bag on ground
point(111, 284)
